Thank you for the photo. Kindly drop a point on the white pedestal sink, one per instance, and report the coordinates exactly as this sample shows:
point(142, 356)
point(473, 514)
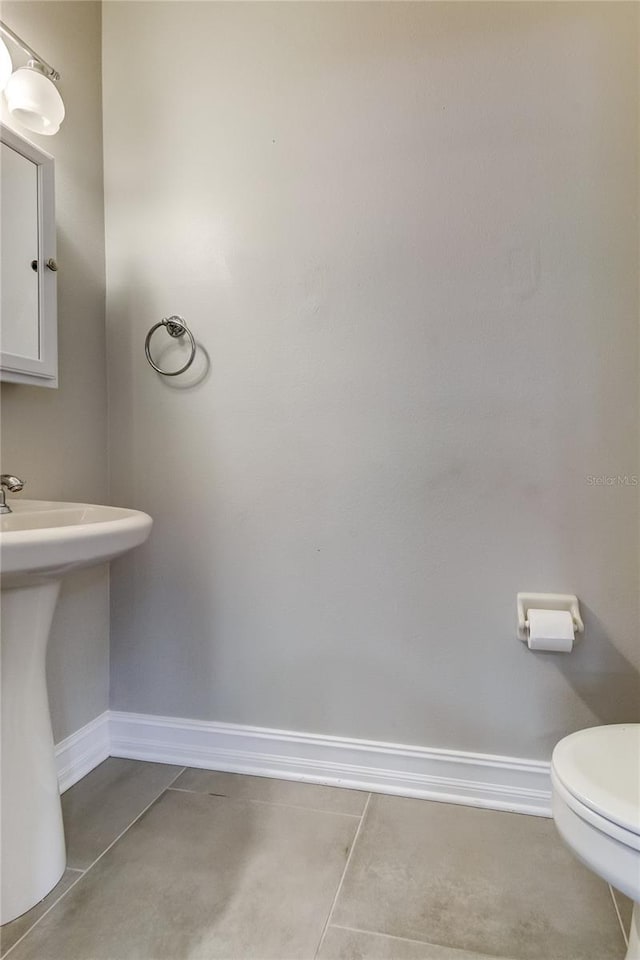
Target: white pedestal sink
point(40, 542)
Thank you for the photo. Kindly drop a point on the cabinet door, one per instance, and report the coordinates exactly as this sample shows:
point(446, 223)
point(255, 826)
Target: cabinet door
point(28, 315)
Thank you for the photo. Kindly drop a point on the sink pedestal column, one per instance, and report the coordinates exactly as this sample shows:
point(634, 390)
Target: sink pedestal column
point(32, 843)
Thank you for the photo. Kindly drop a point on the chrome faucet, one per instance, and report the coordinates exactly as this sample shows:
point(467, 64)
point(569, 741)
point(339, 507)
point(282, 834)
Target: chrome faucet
point(14, 484)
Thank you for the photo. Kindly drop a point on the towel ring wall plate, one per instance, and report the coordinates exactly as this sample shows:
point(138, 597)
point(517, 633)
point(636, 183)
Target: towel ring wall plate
point(176, 327)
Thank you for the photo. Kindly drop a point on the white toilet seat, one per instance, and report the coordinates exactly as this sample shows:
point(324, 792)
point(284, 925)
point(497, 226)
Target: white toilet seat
point(596, 801)
point(600, 767)
point(628, 837)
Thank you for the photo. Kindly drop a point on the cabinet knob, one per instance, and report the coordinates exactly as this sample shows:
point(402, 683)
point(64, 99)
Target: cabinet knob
point(51, 263)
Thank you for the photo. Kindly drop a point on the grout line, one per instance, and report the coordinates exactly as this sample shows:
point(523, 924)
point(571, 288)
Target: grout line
point(344, 873)
point(268, 803)
point(617, 909)
point(91, 865)
point(49, 909)
point(392, 936)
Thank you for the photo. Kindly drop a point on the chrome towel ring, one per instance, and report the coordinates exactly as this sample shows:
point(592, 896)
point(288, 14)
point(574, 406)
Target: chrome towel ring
point(175, 327)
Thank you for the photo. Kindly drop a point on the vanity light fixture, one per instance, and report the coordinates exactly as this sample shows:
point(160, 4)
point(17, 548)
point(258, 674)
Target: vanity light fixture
point(31, 94)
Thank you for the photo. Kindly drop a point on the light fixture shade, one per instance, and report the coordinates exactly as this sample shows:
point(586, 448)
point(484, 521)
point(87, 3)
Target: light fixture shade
point(34, 101)
point(6, 66)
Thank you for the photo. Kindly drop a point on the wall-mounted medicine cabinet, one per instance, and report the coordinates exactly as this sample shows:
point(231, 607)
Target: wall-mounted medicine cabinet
point(28, 307)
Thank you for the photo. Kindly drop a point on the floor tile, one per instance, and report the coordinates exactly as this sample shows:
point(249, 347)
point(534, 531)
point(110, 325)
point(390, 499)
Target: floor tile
point(625, 906)
point(312, 795)
point(341, 944)
point(497, 883)
point(99, 807)
point(11, 932)
point(203, 877)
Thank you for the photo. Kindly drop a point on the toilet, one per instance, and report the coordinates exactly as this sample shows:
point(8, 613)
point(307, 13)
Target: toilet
point(595, 776)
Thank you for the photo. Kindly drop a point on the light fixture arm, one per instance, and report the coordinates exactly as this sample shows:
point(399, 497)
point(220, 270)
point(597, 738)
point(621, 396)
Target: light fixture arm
point(45, 67)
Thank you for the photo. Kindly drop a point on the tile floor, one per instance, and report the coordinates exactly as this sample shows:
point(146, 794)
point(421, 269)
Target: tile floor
point(173, 864)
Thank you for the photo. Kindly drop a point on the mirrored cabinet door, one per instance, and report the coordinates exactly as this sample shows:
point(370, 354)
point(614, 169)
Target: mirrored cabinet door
point(28, 325)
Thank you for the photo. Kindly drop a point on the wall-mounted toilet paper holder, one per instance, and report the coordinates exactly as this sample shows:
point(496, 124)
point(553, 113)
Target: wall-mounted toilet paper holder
point(547, 601)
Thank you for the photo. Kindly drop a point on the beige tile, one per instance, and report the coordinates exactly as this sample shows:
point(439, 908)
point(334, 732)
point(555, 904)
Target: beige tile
point(100, 806)
point(497, 883)
point(203, 877)
point(625, 906)
point(311, 795)
point(341, 944)
point(10, 933)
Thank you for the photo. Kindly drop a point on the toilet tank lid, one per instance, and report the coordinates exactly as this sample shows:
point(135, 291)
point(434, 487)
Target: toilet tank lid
point(600, 766)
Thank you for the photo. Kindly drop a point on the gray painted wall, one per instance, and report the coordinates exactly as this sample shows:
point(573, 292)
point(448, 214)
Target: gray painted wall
point(57, 439)
point(407, 236)
point(376, 219)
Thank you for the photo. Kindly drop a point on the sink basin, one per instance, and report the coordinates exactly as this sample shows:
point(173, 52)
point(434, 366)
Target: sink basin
point(40, 541)
point(46, 538)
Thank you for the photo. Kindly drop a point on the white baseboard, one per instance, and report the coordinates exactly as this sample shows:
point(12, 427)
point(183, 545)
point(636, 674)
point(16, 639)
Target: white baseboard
point(79, 753)
point(453, 776)
point(480, 780)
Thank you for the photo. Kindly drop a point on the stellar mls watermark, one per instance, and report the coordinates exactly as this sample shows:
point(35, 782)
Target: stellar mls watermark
point(613, 480)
